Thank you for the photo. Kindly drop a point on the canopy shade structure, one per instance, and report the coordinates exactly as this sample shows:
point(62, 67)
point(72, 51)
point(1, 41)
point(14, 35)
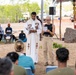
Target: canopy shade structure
point(55, 2)
point(64, 0)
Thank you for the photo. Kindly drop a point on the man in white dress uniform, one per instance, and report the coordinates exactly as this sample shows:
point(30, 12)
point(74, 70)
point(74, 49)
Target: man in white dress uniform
point(33, 29)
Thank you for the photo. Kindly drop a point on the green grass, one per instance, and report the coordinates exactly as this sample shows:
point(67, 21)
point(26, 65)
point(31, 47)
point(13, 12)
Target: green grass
point(1, 42)
point(56, 45)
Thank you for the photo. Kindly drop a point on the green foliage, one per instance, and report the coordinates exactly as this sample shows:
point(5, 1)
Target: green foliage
point(46, 5)
point(56, 45)
point(30, 7)
point(34, 7)
point(14, 12)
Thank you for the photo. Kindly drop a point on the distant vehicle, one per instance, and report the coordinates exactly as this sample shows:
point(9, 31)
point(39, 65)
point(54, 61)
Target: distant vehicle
point(22, 20)
point(72, 19)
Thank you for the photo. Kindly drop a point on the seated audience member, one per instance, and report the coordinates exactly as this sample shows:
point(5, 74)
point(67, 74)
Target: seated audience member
point(62, 56)
point(1, 32)
point(22, 36)
point(75, 68)
point(8, 32)
point(18, 70)
point(6, 67)
point(24, 60)
point(75, 71)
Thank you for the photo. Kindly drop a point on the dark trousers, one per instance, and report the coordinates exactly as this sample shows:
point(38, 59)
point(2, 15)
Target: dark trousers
point(12, 37)
point(1, 35)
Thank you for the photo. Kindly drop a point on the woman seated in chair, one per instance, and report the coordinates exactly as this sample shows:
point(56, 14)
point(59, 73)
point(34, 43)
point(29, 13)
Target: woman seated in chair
point(24, 60)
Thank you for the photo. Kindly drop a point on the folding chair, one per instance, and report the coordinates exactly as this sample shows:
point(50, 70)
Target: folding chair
point(49, 68)
point(28, 71)
point(8, 39)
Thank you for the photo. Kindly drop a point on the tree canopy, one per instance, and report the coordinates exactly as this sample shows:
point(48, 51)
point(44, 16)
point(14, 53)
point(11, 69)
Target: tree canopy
point(13, 12)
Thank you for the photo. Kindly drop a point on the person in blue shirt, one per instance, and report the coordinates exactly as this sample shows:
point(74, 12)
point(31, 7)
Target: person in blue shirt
point(22, 36)
point(18, 70)
point(24, 60)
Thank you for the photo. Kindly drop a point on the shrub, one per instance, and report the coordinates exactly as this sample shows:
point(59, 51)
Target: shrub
point(56, 45)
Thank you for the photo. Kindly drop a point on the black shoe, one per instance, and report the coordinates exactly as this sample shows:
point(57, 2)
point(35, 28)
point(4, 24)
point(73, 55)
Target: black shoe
point(35, 63)
point(52, 64)
point(46, 64)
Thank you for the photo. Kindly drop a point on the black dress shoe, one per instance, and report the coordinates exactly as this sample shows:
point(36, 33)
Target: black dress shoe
point(35, 63)
point(52, 64)
point(46, 64)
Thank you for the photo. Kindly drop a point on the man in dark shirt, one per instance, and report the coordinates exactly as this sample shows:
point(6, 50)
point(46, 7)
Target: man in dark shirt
point(22, 36)
point(8, 30)
point(48, 32)
point(9, 34)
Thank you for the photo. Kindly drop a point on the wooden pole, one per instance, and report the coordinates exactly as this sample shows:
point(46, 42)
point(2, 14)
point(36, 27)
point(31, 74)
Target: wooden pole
point(60, 19)
point(74, 13)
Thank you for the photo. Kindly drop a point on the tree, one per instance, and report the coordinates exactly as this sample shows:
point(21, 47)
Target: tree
point(46, 5)
point(34, 7)
point(14, 11)
point(2, 16)
point(30, 7)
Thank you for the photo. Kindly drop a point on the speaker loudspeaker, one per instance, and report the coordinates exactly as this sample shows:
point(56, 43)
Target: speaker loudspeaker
point(52, 10)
